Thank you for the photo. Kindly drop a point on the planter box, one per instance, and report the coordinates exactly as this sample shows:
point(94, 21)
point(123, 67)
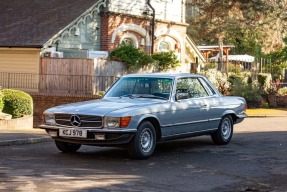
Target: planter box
point(25, 122)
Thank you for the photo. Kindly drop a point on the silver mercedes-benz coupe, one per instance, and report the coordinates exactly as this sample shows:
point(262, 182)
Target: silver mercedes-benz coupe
point(140, 110)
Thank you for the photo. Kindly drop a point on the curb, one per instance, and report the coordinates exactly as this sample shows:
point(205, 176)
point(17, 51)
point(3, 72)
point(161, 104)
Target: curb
point(26, 141)
point(263, 116)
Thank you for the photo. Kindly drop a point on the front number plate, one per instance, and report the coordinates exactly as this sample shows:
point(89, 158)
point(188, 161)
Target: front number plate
point(73, 133)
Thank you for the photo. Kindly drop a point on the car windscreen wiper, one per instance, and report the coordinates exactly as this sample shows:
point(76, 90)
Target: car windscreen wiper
point(127, 95)
point(151, 96)
point(143, 96)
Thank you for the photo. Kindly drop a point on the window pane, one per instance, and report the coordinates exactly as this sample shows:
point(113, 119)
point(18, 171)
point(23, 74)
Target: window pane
point(207, 87)
point(128, 41)
point(192, 86)
point(141, 85)
point(164, 46)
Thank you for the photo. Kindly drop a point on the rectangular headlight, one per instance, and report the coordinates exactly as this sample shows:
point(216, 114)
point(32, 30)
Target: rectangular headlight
point(112, 122)
point(50, 119)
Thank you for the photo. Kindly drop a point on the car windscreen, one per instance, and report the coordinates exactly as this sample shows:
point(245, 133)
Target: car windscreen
point(148, 87)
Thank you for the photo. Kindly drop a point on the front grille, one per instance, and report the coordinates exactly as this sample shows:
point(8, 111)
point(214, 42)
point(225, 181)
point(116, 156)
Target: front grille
point(86, 120)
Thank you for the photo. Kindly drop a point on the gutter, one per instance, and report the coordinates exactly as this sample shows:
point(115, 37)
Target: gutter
point(152, 25)
point(22, 46)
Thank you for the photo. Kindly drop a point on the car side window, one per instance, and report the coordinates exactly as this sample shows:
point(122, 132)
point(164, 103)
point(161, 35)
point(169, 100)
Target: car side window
point(207, 87)
point(190, 88)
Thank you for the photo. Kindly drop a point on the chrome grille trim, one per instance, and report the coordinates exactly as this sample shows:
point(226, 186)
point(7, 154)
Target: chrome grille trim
point(91, 121)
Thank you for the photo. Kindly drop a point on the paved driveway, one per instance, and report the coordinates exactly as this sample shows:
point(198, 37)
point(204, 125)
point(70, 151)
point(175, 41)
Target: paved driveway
point(255, 160)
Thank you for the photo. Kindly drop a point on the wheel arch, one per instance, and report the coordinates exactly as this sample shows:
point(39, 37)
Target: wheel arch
point(231, 114)
point(155, 122)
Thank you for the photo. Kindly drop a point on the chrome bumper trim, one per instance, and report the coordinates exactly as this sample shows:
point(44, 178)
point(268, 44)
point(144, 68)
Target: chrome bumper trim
point(92, 130)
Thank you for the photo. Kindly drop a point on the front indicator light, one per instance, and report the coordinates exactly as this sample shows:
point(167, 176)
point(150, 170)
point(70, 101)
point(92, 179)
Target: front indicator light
point(125, 121)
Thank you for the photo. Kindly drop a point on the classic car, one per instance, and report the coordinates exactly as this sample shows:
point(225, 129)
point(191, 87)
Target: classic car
point(140, 110)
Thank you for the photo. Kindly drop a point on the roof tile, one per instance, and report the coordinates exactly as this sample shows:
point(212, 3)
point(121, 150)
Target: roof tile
point(31, 23)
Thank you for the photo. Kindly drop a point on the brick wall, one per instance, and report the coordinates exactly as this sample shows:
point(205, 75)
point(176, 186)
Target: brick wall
point(42, 102)
point(111, 21)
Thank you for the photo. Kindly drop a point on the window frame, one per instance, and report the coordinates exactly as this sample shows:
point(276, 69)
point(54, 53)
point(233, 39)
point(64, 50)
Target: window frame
point(200, 83)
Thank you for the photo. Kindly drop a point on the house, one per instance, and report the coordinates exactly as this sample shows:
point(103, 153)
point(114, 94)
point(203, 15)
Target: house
point(89, 28)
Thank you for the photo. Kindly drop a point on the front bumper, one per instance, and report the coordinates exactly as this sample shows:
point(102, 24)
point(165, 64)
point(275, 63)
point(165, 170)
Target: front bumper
point(240, 117)
point(110, 136)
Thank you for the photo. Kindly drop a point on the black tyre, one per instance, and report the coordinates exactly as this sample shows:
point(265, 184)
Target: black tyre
point(67, 147)
point(143, 144)
point(225, 131)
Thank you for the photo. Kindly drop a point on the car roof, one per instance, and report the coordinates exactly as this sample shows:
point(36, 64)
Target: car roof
point(162, 75)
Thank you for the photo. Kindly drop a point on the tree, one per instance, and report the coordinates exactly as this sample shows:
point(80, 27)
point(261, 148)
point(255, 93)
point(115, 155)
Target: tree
point(279, 61)
point(261, 22)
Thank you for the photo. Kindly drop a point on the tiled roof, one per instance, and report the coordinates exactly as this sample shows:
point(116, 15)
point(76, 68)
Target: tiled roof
point(31, 23)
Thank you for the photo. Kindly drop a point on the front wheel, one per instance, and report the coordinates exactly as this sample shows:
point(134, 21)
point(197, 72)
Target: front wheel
point(66, 147)
point(224, 132)
point(143, 144)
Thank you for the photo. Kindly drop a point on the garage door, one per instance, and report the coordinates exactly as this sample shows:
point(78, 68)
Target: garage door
point(19, 68)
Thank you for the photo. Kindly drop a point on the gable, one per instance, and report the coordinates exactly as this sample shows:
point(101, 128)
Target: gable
point(31, 23)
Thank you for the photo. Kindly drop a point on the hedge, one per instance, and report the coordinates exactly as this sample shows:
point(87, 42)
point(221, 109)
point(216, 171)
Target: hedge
point(17, 103)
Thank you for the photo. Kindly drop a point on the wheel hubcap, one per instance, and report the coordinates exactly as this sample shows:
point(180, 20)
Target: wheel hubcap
point(146, 140)
point(226, 129)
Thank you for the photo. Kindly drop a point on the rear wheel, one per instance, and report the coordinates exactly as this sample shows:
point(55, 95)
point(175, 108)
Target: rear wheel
point(66, 147)
point(224, 132)
point(143, 144)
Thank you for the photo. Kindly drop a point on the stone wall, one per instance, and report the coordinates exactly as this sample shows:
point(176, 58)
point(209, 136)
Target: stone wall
point(43, 101)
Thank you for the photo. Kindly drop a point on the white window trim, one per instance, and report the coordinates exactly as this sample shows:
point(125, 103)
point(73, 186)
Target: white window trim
point(132, 37)
point(131, 27)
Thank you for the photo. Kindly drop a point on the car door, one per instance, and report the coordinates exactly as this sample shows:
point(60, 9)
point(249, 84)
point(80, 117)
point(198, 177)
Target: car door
point(216, 107)
point(191, 109)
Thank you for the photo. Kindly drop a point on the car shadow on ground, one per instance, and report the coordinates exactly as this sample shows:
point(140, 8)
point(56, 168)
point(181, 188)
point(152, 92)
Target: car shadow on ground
point(162, 148)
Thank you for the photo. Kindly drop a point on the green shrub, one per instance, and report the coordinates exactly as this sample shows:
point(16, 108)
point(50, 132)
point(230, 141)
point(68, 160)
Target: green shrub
point(234, 68)
point(265, 105)
point(250, 91)
point(165, 60)
point(17, 103)
point(232, 77)
point(282, 91)
point(264, 80)
point(133, 57)
point(252, 95)
point(211, 65)
point(1, 100)
point(237, 85)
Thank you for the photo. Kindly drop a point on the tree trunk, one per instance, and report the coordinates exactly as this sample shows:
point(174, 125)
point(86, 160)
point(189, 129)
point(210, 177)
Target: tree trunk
point(221, 63)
